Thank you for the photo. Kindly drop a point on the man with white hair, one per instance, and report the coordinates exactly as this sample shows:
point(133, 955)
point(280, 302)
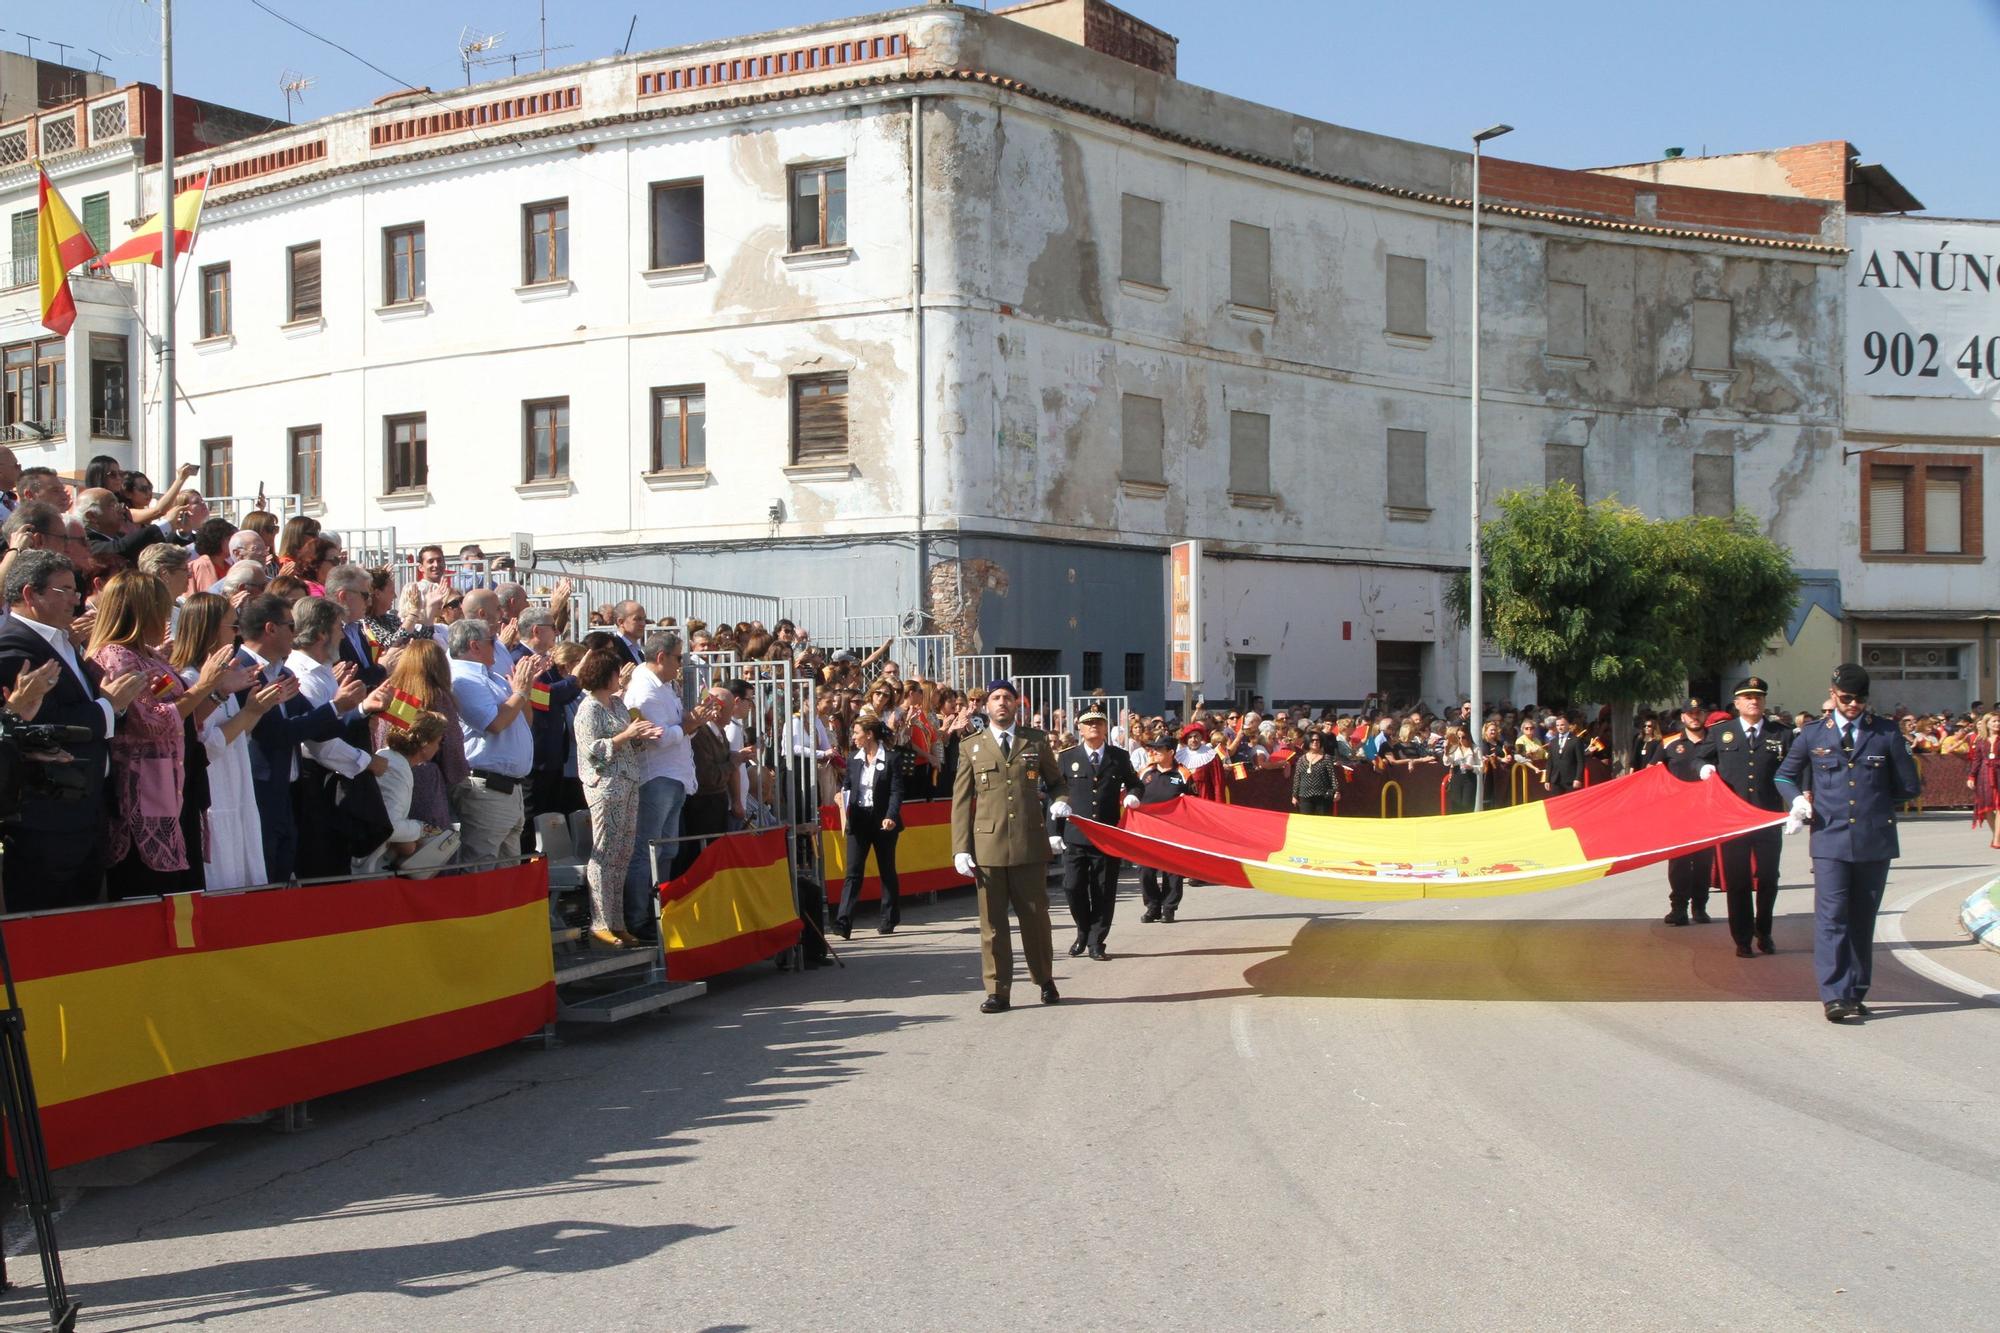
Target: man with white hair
point(114, 538)
point(249, 544)
point(499, 745)
point(352, 587)
point(322, 850)
point(245, 579)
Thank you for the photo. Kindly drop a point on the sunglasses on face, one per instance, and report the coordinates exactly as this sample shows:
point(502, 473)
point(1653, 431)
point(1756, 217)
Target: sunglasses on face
point(1845, 699)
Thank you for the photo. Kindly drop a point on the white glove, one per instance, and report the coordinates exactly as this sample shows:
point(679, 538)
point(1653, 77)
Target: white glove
point(1131, 801)
point(1707, 771)
point(1801, 814)
point(962, 863)
point(1059, 810)
point(1055, 845)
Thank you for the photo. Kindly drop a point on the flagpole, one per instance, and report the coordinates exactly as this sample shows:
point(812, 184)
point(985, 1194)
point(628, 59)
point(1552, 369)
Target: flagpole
point(166, 348)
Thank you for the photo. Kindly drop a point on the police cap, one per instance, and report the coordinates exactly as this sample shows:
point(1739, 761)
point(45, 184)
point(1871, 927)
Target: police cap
point(1751, 685)
point(1092, 714)
point(1694, 708)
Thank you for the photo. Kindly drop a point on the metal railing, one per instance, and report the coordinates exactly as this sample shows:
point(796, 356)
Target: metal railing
point(924, 656)
point(1045, 701)
point(821, 616)
point(234, 507)
point(972, 671)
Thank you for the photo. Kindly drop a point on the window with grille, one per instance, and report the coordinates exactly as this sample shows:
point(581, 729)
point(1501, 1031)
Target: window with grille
point(215, 311)
point(304, 448)
point(545, 239)
point(1135, 672)
point(218, 466)
point(1093, 671)
point(402, 264)
point(819, 419)
point(680, 428)
point(1250, 266)
point(678, 218)
point(545, 428)
point(302, 289)
point(406, 466)
point(24, 259)
point(819, 206)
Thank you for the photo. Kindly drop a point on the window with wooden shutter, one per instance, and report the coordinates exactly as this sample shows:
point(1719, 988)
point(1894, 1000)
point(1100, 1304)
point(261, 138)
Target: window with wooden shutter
point(1887, 519)
point(302, 283)
point(819, 419)
point(1249, 453)
point(97, 220)
point(1142, 432)
point(1250, 266)
point(305, 471)
point(1408, 296)
point(1139, 240)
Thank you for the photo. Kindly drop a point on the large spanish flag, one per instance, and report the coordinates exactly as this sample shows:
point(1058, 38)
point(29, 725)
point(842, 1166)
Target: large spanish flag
point(1583, 835)
point(153, 1018)
point(923, 852)
point(733, 907)
point(143, 245)
point(62, 244)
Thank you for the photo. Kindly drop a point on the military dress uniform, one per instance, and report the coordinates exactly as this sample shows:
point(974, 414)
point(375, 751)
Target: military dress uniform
point(1688, 875)
point(996, 818)
point(1747, 757)
point(1097, 784)
point(1856, 773)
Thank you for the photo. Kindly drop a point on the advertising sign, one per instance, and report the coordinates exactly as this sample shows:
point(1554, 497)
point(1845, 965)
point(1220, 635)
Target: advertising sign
point(1184, 613)
point(1923, 308)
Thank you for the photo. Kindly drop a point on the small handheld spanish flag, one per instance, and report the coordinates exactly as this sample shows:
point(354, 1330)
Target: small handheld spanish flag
point(371, 635)
point(162, 683)
point(403, 710)
point(538, 697)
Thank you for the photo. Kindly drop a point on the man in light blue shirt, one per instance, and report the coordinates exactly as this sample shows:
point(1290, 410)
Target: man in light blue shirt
point(499, 744)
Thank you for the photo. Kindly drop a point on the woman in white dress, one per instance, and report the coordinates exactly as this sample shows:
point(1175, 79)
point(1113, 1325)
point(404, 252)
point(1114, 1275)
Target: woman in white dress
point(235, 853)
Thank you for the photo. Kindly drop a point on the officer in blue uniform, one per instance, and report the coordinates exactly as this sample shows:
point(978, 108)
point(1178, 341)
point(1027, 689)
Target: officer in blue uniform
point(1847, 773)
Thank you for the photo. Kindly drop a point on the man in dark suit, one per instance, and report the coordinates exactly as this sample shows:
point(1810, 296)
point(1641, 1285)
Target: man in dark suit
point(115, 540)
point(1101, 781)
point(1746, 754)
point(55, 847)
point(873, 796)
point(628, 622)
point(353, 588)
point(266, 625)
point(1565, 757)
point(1846, 774)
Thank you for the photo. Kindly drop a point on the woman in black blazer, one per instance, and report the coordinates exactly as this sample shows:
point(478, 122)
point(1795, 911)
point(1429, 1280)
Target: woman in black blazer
point(872, 794)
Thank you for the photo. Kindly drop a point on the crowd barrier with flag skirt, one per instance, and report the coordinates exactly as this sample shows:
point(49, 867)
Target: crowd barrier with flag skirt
point(157, 1017)
point(923, 852)
point(734, 906)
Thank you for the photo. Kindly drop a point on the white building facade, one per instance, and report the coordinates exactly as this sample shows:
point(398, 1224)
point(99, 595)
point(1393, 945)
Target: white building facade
point(940, 312)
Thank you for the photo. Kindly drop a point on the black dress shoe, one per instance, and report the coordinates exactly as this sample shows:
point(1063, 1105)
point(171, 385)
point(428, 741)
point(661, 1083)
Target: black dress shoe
point(1764, 944)
point(1149, 918)
point(1167, 917)
point(994, 1004)
point(1745, 951)
point(885, 930)
point(1839, 1011)
point(1675, 918)
point(1700, 917)
point(846, 930)
point(1861, 1010)
point(1050, 994)
point(1076, 948)
point(1097, 953)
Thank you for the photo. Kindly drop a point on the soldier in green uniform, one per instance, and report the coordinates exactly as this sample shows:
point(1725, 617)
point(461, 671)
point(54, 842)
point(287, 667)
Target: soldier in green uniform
point(1000, 839)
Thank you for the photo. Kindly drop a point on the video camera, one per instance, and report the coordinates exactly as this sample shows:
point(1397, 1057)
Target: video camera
point(23, 774)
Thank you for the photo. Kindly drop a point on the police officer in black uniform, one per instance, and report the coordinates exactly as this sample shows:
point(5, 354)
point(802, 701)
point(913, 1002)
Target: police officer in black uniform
point(1161, 780)
point(1686, 753)
point(1746, 754)
point(1099, 781)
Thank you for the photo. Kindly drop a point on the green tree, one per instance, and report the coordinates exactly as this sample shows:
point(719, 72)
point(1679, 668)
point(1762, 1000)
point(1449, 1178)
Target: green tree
point(1609, 606)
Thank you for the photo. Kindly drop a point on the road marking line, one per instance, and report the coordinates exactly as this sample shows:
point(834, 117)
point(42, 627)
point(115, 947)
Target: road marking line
point(1889, 929)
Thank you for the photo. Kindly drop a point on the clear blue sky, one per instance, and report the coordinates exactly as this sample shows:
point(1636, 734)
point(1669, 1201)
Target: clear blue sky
point(1586, 84)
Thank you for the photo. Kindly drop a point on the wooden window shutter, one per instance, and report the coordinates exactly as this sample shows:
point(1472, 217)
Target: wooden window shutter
point(819, 419)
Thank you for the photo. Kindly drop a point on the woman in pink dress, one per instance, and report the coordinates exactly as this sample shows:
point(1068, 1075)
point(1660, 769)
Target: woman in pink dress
point(1985, 779)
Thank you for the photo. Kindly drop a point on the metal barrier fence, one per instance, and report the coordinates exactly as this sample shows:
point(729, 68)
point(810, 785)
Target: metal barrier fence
point(822, 617)
point(701, 670)
point(372, 548)
point(971, 671)
point(234, 507)
point(869, 631)
point(1045, 701)
point(924, 656)
point(1115, 707)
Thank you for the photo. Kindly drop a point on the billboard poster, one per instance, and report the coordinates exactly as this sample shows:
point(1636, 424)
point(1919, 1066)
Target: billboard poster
point(1184, 613)
point(1923, 308)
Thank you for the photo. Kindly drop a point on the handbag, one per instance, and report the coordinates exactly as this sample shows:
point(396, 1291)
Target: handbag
point(436, 851)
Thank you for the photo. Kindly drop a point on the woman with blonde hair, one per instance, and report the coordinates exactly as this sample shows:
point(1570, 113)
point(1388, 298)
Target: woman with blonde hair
point(422, 678)
point(234, 858)
point(926, 743)
point(159, 777)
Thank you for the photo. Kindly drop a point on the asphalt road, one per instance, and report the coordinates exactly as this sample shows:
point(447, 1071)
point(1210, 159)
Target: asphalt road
point(1524, 1113)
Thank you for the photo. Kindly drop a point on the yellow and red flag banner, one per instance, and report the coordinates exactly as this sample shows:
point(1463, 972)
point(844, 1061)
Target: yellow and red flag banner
point(538, 696)
point(1583, 835)
point(62, 245)
point(402, 710)
point(733, 907)
point(923, 852)
point(143, 245)
point(153, 1018)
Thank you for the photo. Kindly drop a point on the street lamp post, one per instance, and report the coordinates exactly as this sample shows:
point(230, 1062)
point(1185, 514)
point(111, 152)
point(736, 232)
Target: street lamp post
point(1478, 598)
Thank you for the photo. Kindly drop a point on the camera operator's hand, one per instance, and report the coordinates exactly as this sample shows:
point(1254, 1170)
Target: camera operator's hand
point(30, 688)
point(122, 690)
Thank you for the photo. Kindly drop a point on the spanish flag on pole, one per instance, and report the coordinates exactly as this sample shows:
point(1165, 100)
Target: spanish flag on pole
point(63, 245)
point(1584, 835)
point(143, 246)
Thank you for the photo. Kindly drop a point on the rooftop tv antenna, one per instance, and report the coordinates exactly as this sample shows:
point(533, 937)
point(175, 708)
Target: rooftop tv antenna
point(293, 85)
point(474, 46)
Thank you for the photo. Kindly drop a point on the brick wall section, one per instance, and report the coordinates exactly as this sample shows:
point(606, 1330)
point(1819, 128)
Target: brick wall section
point(1116, 33)
point(1674, 205)
point(1818, 170)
